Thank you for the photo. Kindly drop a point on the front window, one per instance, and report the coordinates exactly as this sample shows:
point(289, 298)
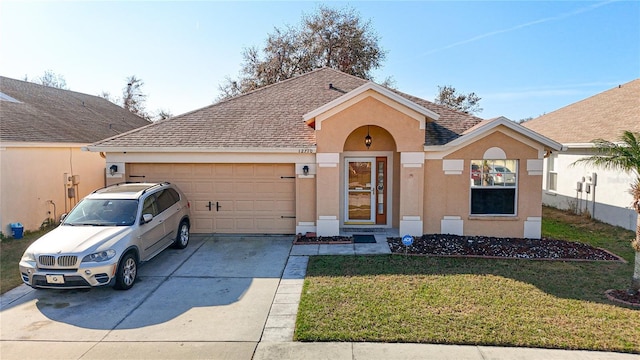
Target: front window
point(101, 212)
point(494, 187)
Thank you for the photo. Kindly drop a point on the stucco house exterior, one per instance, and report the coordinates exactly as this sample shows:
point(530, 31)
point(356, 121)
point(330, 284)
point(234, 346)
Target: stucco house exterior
point(602, 193)
point(43, 171)
point(326, 151)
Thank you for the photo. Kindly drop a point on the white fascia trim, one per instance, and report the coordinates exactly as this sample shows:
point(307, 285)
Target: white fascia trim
point(305, 150)
point(579, 145)
point(377, 88)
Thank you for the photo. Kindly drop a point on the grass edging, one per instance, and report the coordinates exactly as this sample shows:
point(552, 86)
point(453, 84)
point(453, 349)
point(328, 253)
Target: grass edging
point(618, 260)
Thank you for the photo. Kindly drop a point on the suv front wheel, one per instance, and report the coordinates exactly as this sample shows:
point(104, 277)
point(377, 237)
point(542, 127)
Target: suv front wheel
point(127, 272)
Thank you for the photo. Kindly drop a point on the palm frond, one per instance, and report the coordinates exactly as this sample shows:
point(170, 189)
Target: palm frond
point(624, 155)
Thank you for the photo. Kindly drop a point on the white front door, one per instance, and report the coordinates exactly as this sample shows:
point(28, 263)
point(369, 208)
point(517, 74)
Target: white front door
point(360, 190)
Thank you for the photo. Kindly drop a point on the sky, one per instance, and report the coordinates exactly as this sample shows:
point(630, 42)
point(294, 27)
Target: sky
point(523, 58)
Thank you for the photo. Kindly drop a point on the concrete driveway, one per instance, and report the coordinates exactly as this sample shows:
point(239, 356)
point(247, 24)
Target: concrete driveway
point(214, 296)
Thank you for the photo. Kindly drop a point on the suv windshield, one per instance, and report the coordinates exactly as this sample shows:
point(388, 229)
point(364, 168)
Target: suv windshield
point(103, 212)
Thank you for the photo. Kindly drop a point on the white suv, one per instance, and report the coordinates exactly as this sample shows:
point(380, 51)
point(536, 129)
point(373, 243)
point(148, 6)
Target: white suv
point(107, 235)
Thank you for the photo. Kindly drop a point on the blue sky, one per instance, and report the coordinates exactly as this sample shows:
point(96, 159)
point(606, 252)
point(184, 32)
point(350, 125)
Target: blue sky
point(523, 58)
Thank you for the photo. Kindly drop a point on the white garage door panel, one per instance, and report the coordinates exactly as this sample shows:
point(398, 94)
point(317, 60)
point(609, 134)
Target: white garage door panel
point(251, 198)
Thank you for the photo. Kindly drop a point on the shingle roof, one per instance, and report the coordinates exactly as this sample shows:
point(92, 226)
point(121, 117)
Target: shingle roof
point(602, 116)
point(270, 117)
point(37, 113)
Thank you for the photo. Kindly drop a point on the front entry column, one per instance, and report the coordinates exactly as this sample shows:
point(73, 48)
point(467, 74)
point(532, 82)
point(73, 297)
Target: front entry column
point(328, 194)
point(411, 193)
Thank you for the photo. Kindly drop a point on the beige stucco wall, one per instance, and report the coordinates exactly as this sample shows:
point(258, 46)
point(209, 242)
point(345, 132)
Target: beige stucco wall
point(306, 199)
point(32, 175)
point(393, 129)
point(449, 195)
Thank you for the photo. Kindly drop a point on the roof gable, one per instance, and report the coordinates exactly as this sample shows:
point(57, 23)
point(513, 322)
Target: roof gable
point(602, 116)
point(35, 113)
point(485, 127)
point(362, 91)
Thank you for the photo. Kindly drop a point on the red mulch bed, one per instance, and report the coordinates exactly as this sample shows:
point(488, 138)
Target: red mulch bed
point(623, 296)
point(547, 249)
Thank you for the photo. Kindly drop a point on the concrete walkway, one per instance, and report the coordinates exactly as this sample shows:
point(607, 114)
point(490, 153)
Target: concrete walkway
point(222, 298)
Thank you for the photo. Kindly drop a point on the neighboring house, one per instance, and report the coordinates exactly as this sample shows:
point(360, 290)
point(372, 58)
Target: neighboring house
point(43, 171)
point(326, 151)
point(602, 193)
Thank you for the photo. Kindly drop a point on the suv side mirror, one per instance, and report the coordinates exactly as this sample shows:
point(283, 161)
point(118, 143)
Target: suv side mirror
point(146, 218)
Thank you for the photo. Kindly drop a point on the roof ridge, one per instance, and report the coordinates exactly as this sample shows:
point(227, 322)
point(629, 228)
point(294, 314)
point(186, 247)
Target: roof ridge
point(295, 77)
point(51, 88)
point(266, 87)
point(440, 106)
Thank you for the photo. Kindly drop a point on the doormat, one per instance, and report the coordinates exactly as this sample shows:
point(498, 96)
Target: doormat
point(363, 239)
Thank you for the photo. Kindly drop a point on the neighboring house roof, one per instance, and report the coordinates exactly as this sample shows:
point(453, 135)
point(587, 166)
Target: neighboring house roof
point(602, 116)
point(35, 113)
point(271, 117)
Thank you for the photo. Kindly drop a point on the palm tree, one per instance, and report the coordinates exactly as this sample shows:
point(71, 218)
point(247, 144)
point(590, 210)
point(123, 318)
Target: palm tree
point(623, 155)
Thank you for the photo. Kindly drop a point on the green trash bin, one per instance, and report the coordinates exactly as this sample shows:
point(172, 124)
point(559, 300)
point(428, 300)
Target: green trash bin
point(17, 230)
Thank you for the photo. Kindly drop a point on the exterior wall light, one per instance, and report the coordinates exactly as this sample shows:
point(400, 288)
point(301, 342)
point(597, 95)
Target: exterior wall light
point(305, 170)
point(367, 139)
point(113, 169)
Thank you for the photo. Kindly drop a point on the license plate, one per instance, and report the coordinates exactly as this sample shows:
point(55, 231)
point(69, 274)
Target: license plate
point(55, 279)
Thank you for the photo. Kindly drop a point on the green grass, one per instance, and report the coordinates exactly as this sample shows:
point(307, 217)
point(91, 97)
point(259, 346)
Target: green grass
point(11, 251)
point(550, 304)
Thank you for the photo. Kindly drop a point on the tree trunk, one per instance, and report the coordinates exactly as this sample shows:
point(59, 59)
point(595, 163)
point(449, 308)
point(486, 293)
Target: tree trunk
point(635, 281)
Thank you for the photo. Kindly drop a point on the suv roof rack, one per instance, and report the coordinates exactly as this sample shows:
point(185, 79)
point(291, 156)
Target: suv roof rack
point(153, 184)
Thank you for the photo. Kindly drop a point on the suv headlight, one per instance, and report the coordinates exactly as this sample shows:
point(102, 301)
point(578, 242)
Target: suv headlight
point(29, 257)
point(100, 256)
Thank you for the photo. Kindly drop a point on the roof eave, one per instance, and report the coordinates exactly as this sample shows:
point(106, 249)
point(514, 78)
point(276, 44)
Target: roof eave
point(125, 149)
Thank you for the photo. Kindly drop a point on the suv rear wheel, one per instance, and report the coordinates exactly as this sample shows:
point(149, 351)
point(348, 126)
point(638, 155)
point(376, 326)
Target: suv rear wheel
point(182, 239)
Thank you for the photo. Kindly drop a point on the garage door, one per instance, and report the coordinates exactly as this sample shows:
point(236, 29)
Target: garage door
point(231, 198)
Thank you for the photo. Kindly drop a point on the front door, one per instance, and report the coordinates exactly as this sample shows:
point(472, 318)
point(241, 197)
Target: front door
point(360, 196)
point(365, 191)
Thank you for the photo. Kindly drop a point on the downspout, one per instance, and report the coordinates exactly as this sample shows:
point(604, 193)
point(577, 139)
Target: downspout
point(594, 182)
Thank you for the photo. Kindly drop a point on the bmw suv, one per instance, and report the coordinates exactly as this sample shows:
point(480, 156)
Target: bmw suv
point(104, 238)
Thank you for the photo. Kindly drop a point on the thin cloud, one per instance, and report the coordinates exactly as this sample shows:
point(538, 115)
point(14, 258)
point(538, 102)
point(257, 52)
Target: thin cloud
point(521, 26)
point(551, 91)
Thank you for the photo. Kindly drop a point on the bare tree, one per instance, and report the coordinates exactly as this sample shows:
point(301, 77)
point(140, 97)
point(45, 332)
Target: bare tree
point(163, 114)
point(449, 97)
point(133, 99)
point(332, 38)
point(51, 79)
point(107, 95)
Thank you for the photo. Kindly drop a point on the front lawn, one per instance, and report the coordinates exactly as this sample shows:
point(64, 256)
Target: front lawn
point(11, 251)
point(550, 304)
